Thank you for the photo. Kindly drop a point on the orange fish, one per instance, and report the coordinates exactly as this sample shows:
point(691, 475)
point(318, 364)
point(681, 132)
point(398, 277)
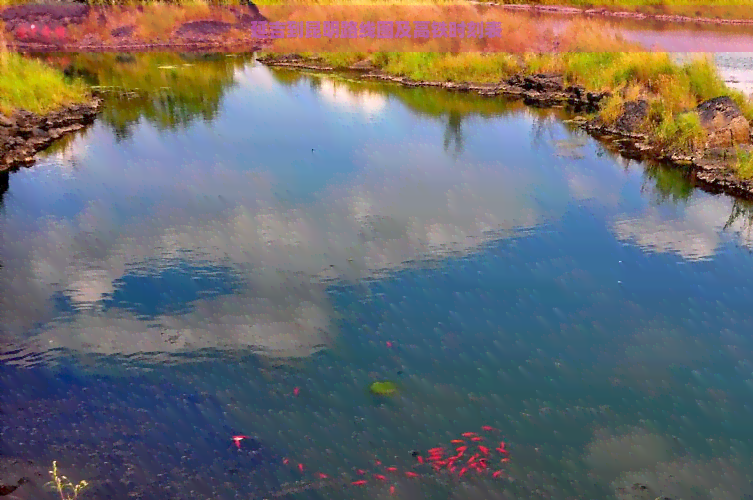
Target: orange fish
point(411, 474)
point(487, 427)
point(457, 441)
point(359, 483)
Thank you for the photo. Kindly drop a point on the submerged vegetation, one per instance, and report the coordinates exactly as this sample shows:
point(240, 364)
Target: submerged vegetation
point(383, 388)
point(65, 488)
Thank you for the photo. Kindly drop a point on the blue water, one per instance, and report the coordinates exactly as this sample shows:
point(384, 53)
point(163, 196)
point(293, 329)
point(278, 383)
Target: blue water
point(592, 309)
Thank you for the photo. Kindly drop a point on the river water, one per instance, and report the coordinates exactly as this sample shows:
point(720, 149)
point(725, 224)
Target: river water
point(241, 250)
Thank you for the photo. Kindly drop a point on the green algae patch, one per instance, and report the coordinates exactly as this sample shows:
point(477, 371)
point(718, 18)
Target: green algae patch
point(383, 388)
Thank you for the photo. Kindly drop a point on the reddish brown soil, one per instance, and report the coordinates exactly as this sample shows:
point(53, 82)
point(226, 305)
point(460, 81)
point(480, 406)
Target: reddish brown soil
point(73, 27)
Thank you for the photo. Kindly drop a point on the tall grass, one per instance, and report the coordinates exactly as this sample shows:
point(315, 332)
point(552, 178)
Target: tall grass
point(672, 90)
point(32, 85)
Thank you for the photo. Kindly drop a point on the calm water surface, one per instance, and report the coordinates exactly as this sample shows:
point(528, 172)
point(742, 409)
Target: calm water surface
point(231, 232)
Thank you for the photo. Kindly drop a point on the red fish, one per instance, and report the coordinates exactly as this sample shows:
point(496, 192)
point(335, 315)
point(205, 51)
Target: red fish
point(457, 441)
point(300, 467)
point(411, 474)
point(468, 434)
point(484, 450)
point(380, 477)
point(285, 461)
point(392, 490)
point(389, 344)
point(296, 391)
point(505, 460)
point(377, 462)
point(420, 460)
point(487, 427)
point(462, 471)
point(392, 469)
point(477, 438)
point(322, 476)
point(359, 483)
point(435, 450)
point(461, 449)
point(238, 440)
point(360, 472)
point(497, 474)
point(473, 458)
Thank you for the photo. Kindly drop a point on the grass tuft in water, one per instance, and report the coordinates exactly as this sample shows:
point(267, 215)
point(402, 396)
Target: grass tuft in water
point(744, 163)
point(65, 488)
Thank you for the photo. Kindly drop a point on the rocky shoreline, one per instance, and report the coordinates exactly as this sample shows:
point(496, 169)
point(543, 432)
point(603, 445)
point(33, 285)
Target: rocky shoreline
point(712, 169)
point(24, 134)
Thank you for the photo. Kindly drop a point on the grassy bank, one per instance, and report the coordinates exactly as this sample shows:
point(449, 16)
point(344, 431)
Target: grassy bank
point(33, 86)
point(672, 90)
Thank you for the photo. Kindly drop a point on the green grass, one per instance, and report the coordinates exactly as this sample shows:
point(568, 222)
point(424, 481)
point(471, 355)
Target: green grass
point(671, 89)
point(744, 163)
point(32, 85)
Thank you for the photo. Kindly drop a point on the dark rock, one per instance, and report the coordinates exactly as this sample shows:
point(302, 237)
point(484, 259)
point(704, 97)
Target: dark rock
point(203, 28)
point(544, 83)
point(633, 116)
point(58, 11)
point(7, 489)
point(576, 90)
point(636, 492)
point(122, 31)
point(724, 122)
point(30, 133)
point(539, 82)
point(6, 122)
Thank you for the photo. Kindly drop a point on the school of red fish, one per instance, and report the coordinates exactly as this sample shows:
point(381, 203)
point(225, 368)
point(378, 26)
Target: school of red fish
point(471, 455)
